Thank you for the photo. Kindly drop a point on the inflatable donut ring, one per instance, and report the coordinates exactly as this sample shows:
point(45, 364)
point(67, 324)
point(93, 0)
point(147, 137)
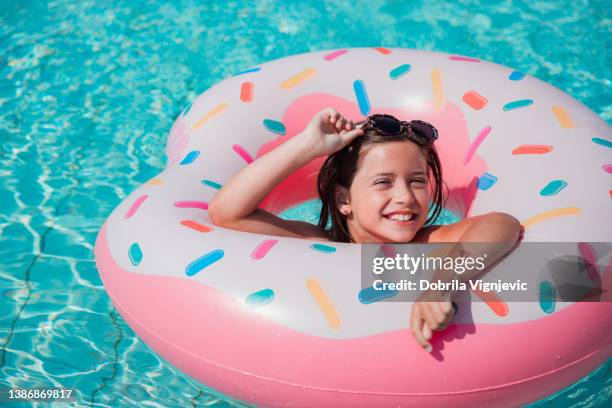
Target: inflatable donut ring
point(276, 321)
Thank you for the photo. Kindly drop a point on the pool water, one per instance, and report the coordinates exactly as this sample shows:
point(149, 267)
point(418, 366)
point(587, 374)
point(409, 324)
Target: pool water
point(88, 93)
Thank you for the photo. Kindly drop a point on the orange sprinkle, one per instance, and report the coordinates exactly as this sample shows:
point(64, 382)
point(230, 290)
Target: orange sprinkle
point(324, 301)
point(196, 226)
point(474, 100)
point(384, 51)
point(155, 182)
point(246, 91)
point(497, 305)
point(558, 212)
point(210, 114)
point(532, 149)
point(562, 117)
point(298, 78)
point(436, 85)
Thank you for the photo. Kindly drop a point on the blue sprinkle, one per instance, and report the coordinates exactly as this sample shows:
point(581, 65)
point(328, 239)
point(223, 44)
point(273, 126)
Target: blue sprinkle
point(190, 158)
point(602, 142)
point(212, 184)
point(204, 261)
point(362, 97)
point(135, 253)
point(486, 181)
point(323, 248)
point(263, 297)
point(553, 187)
point(547, 297)
point(399, 71)
point(371, 295)
point(516, 76)
point(249, 70)
point(274, 126)
point(186, 109)
point(517, 104)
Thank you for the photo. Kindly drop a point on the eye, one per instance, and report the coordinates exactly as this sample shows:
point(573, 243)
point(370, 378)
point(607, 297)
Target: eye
point(422, 181)
point(381, 181)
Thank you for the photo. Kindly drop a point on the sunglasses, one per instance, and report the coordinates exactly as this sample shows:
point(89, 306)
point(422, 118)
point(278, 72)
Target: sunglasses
point(421, 132)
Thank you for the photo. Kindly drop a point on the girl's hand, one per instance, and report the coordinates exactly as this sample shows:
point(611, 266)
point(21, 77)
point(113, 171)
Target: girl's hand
point(328, 131)
point(431, 312)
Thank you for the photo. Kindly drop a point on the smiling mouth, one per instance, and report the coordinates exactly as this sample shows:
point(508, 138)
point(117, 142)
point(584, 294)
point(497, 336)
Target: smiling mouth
point(401, 220)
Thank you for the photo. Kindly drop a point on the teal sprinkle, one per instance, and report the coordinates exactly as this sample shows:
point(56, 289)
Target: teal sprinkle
point(399, 71)
point(516, 76)
point(371, 295)
point(518, 104)
point(249, 71)
point(547, 297)
point(602, 142)
point(263, 297)
point(553, 187)
point(323, 248)
point(135, 253)
point(204, 261)
point(212, 184)
point(274, 126)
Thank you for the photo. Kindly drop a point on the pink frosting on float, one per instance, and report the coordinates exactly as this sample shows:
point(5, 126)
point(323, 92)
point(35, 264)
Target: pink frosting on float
point(277, 366)
point(461, 178)
point(177, 141)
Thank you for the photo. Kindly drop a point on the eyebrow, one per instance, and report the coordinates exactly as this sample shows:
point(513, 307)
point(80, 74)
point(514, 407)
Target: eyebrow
point(416, 173)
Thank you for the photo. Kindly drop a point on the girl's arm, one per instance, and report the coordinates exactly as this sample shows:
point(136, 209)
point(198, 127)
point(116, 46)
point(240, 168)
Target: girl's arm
point(235, 205)
point(496, 234)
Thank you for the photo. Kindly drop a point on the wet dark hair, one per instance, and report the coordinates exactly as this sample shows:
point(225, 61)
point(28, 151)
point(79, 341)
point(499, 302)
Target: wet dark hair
point(339, 169)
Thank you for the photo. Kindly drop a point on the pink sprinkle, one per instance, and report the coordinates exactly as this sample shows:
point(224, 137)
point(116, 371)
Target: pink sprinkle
point(607, 168)
point(135, 206)
point(588, 254)
point(191, 204)
point(460, 58)
point(472, 149)
point(263, 248)
point(388, 250)
point(243, 153)
point(334, 55)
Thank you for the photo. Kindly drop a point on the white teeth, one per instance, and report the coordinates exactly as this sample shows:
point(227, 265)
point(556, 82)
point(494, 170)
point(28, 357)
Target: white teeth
point(401, 217)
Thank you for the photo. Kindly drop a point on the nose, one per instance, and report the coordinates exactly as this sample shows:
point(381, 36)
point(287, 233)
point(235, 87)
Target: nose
point(403, 194)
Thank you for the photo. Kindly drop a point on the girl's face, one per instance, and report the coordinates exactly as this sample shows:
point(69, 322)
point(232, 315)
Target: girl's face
point(390, 186)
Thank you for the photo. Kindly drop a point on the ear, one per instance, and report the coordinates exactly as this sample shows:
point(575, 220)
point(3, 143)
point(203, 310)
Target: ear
point(342, 200)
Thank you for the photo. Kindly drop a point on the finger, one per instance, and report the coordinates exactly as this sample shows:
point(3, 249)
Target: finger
point(333, 117)
point(437, 310)
point(427, 332)
point(427, 346)
point(417, 331)
point(349, 125)
point(340, 123)
point(428, 315)
point(351, 135)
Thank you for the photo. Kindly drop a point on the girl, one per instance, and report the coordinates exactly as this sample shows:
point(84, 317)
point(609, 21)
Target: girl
point(375, 187)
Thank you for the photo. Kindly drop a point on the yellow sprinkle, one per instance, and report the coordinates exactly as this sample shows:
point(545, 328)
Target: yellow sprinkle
point(213, 112)
point(298, 78)
point(559, 212)
point(436, 83)
point(562, 117)
point(324, 302)
point(155, 182)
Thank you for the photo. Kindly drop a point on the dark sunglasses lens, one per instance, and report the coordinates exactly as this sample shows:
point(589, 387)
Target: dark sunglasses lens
point(424, 130)
point(388, 125)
